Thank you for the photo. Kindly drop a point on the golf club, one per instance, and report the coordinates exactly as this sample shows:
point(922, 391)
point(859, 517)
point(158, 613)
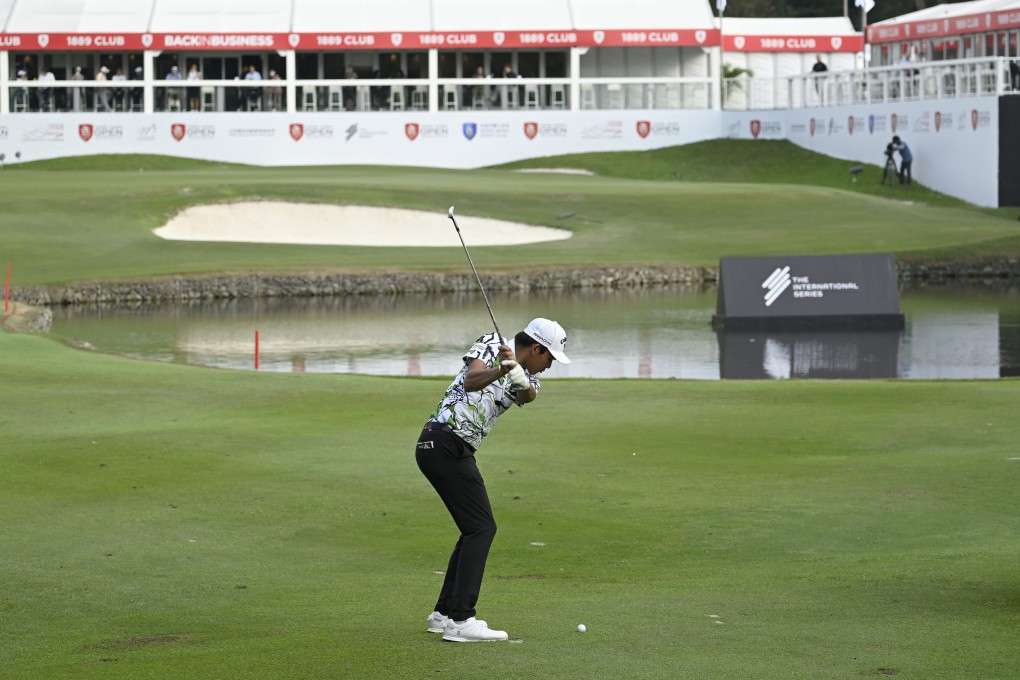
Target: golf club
point(480, 287)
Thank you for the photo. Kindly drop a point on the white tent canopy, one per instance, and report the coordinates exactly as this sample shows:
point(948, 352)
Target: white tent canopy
point(234, 16)
point(951, 10)
point(812, 26)
point(77, 16)
point(283, 16)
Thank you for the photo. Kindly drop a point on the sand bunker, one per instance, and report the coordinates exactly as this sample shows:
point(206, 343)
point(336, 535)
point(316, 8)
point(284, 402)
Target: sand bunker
point(559, 171)
point(334, 225)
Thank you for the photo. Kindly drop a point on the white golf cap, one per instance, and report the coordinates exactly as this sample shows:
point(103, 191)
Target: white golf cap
point(551, 335)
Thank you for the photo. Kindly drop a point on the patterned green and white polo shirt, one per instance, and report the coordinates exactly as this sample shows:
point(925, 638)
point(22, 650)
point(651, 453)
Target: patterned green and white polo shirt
point(473, 414)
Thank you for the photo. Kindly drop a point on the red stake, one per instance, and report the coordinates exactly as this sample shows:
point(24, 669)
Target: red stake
point(256, 350)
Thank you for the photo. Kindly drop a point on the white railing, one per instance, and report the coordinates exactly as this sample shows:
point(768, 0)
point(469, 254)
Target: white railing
point(443, 94)
point(904, 82)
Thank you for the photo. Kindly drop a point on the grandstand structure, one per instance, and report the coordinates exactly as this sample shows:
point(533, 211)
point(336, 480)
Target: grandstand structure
point(424, 83)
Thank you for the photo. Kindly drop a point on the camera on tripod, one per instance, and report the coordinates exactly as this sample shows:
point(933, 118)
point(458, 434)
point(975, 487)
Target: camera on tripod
point(891, 172)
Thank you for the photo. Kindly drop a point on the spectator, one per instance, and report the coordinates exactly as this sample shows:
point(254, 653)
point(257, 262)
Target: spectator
point(137, 92)
point(507, 94)
point(21, 93)
point(397, 93)
point(77, 92)
point(46, 93)
point(118, 92)
point(194, 75)
point(350, 93)
point(906, 159)
point(819, 69)
point(476, 93)
point(275, 92)
point(102, 93)
point(380, 98)
point(254, 93)
point(173, 94)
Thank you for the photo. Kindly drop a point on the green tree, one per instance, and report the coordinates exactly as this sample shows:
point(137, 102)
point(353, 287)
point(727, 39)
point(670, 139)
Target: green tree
point(884, 9)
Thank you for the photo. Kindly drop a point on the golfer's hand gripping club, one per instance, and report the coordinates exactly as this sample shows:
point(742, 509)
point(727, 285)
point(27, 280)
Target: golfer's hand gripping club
point(518, 377)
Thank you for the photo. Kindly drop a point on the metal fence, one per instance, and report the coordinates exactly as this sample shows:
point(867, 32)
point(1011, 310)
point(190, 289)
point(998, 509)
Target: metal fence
point(905, 82)
point(443, 94)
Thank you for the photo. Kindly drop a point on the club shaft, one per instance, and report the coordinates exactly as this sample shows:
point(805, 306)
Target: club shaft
point(479, 280)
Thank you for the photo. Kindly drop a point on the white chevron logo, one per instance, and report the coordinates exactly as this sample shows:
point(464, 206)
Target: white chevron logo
point(776, 284)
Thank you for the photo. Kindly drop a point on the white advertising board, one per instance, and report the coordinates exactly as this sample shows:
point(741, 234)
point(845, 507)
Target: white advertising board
point(461, 140)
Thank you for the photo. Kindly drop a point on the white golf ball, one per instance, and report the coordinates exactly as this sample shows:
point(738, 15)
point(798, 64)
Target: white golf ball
point(581, 628)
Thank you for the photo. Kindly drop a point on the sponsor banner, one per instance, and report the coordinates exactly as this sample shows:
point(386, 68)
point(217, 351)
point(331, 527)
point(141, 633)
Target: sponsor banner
point(965, 130)
point(65, 42)
point(453, 40)
point(219, 41)
point(411, 40)
point(757, 125)
point(136, 42)
point(792, 43)
point(88, 132)
point(466, 139)
point(971, 23)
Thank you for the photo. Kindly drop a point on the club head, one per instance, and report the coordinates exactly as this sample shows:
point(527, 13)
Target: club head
point(450, 212)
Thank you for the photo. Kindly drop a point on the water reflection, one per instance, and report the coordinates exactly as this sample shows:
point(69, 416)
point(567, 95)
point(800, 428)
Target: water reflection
point(662, 333)
point(865, 354)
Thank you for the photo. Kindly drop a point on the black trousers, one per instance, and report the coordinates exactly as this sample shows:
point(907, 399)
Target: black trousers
point(449, 465)
point(905, 172)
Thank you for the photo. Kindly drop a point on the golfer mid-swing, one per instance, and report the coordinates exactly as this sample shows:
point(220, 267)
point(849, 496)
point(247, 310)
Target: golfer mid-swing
point(494, 378)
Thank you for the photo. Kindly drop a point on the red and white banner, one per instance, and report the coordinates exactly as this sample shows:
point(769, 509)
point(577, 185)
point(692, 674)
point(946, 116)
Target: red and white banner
point(935, 28)
point(62, 42)
point(136, 42)
point(792, 43)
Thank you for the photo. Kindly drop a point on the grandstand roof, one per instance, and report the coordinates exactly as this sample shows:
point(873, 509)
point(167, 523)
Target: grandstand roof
point(203, 25)
point(818, 34)
point(351, 16)
point(949, 19)
point(799, 26)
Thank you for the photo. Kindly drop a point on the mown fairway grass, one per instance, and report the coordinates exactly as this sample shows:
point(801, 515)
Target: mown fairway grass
point(95, 221)
point(166, 521)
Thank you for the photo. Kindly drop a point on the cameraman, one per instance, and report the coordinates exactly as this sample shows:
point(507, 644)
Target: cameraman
point(906, 159)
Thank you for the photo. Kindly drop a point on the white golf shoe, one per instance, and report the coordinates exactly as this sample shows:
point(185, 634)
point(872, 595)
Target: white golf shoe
point(437, 622)
point(472, 630)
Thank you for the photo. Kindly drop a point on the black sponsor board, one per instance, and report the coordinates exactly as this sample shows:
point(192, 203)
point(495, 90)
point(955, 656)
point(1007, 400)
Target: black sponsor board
point(1009, 151)
point(808, 292)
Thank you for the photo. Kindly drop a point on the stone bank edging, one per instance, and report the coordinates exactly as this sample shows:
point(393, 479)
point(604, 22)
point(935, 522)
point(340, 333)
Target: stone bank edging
point(226, 287)
point(343, 284)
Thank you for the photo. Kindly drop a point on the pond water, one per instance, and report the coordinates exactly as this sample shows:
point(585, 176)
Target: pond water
point(951, 332)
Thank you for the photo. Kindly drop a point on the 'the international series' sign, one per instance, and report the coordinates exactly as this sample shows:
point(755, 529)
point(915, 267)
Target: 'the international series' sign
point(808, 291)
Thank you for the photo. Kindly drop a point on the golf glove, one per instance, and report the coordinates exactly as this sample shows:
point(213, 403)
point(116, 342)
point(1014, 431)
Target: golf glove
point(518, 377)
